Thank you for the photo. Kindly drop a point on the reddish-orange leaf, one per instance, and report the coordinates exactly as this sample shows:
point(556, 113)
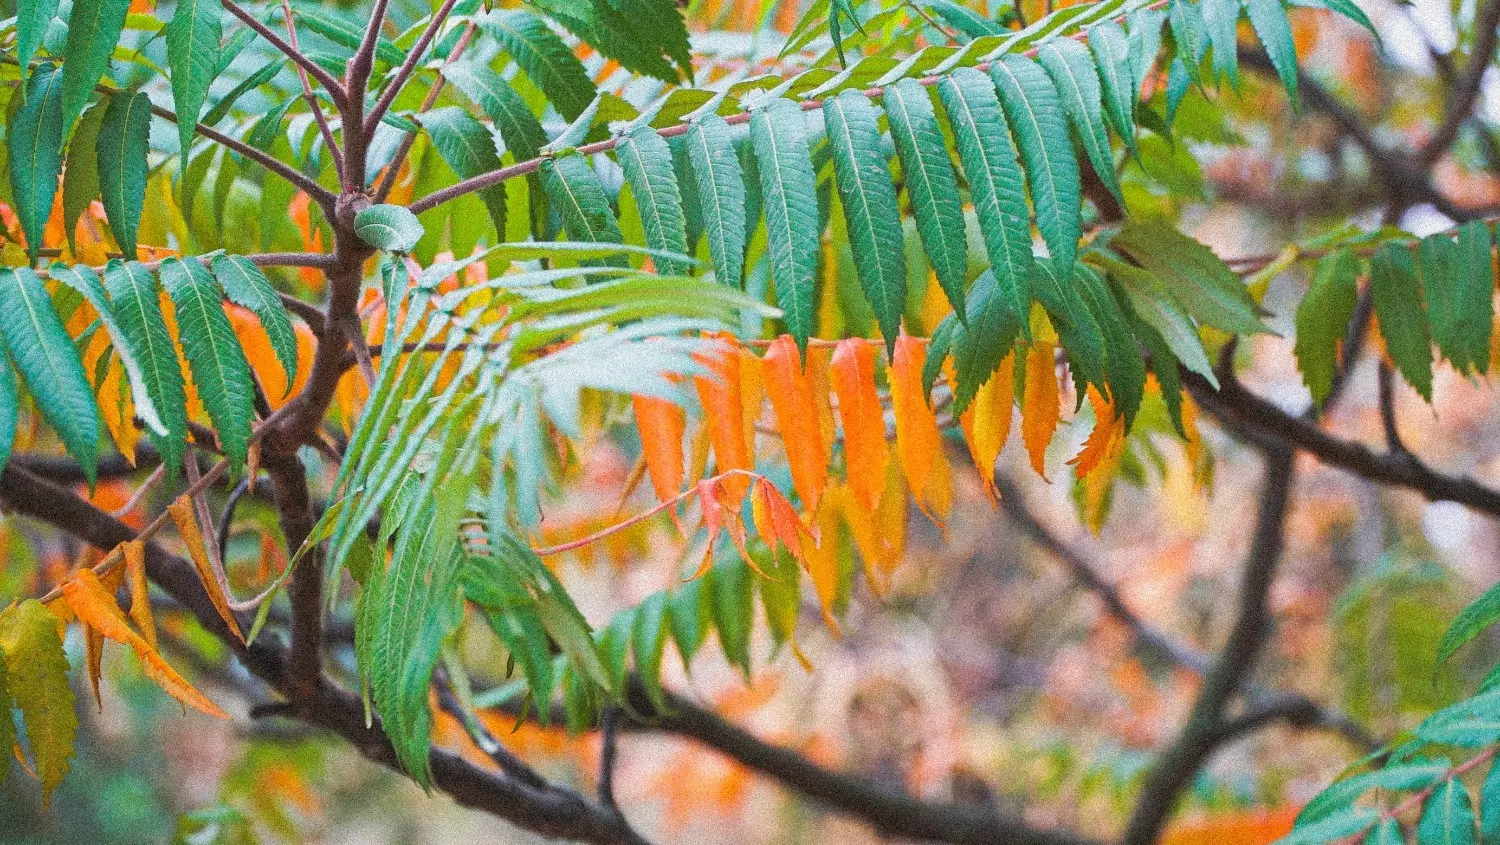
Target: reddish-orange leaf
point(797, 417)
point(719, 393)
point(1040, 410)
point(988, 419)
point(95, 606)
point(661, 424)
point(918, 443)
point(181, 511)
point(776, 521)
point(140, 592)
point(866, 454)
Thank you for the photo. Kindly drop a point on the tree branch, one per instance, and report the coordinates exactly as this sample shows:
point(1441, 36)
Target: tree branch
point(335, 88)
point(404, 73)
point(1464, 92)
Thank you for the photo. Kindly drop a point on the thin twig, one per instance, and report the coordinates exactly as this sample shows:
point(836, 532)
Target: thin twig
point(408, 139)
point(1464, 92)
point(334, 150)
point(407, 67)
point(329, 81)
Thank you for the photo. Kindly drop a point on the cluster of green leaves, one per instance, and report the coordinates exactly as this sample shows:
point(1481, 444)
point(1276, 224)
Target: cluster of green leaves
point(1410, 774)
point(128, 303)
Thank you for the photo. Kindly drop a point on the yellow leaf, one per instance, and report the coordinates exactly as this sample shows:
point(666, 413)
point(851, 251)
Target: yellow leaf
point(821, 556)
point(1107, 437)
point(1040, 410)
point(187, 526)
point(988, 421)
point(797, 418)
point(140, 591)
point(95, 607)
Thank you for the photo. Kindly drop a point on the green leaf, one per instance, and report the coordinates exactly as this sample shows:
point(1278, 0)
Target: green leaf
point(8, 722)
point(650, 640)
point(631, 39)
point(9, 408)
point(519, 128)
point(647, 161)
point(34, 148)
point(1205, 286)
point(1221, 19)
point(94, 29)
point(931, 186)
point(246, 286)
point(345, 33)
point(733, 610)
point(1269, 19)
point(1387, 832)
point(1470, 623)
point(1111, 48)
point(964, 19)
point(573, 189)
point(36, 673)
point(994, 177)
point(1072, 71)
point(220, 371)
point(1458, 281)
point(1123, 362)
point(122, 165)
point(790, 191)
point(544, 57)
point(1322, 320)
point(871, 215)
point(467, 146)
point(1399, 305)
point(1396, 777)
point(392, 228)
point(193, 37)
point(33, 17)
point(83, 280)
point(1035, 113)
point(780, 594)
point(265, 74)
point(1079, 333)
point(81, 170)
point(1489, 806)
point(721, 196)
point(689, 617)
point(979, 347)
point(133, 295)
point(1153, 302)
point(1448, 818)
point(48, 362)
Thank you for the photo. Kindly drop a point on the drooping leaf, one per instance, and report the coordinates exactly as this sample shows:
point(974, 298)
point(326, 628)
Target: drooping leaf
point(790, 191)
point(1155, 305)
point(978, 348)
point(95, 606)
point(994, 176)
point(989, 416)
point(1458, 281)
point(1489, 806)
point(544, 57)
point(1269, 19)
point(852, 374)
point(519, 128)
point(246, 286)
point(140, 590)
point(37, 677)
point(1448, 817)
point(1322, 319)
point(33, 17)
point(871, 214)
point(137, 308)
point(930, 184)
point(9, 405)
point(34, 150)
point(1221, 22)
point(1040, 410)
point(647, 161)
point(467, 146)
point(733, 604)
point(181, 511)
point(1077, 81)
point(573, 189)
point(721, 196)
point(1394, 777)
point(122, 164)
point(389, 227)
point(49, 364)
point(661, 423)
point(94, 29)
point(797, 419)
point(81, 186)
point(918, 442)
point(1399, 306)
point(1111, 48)
point(1202, 283)
point(1035, 112)
point(220, 372)
point(193, 37)
point(724, 414)
point(1123, 363)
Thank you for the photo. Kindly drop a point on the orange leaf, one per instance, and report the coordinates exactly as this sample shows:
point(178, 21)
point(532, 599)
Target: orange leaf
point(93, 648)
point(117, 409)
point(988, 421)
point(818, 358)
point(660, 423)
point(890, 521)
point(918, 443)
point(140, 592)
point(867, 540)
point(752, 394)
point(263, 361)
point(187, 526)
point(195, 408)
point(822, 559)
point(1108, 435)
point(1040, 410)
point(865, 451)
point(724, 413)
point(95, 607)
point(797, 417)
point(776, 521)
